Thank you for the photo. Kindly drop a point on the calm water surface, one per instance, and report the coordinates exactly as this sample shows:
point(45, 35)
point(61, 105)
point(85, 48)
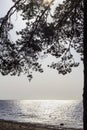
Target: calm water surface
point(51, 112)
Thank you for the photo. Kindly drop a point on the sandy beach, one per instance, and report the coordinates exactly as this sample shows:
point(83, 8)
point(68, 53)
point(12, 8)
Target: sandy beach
point(11, 125)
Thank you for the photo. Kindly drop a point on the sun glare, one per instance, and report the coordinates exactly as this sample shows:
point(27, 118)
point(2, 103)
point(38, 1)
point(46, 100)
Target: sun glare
point(47, 2)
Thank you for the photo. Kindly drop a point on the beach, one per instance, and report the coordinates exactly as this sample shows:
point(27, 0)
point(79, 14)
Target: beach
point(12, 125)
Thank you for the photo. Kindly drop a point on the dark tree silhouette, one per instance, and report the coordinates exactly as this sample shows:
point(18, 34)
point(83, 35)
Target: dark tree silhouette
point(85, 68)
point(58, 38)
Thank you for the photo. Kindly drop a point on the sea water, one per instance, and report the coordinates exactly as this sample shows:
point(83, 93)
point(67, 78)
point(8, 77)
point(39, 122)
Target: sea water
point(49, 112)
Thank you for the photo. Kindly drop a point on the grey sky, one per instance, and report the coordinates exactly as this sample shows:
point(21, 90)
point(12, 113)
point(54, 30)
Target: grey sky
point(49, 85)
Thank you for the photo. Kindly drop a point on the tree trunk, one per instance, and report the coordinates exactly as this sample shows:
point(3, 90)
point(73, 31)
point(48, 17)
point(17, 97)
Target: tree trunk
point(85, 71)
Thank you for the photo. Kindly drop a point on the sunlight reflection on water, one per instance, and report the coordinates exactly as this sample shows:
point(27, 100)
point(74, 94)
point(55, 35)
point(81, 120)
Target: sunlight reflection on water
point(52, 112)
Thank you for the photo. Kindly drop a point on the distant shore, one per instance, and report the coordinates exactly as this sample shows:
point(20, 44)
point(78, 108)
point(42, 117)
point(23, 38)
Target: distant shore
point(12, 125)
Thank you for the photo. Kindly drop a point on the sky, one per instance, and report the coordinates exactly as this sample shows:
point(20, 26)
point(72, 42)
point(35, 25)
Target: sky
point(46, 86)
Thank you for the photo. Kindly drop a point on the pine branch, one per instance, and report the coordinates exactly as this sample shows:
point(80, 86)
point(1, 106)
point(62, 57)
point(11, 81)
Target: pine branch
point(7, 16)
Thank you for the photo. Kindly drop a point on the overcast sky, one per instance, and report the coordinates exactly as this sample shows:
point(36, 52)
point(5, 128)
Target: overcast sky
point(48, 85)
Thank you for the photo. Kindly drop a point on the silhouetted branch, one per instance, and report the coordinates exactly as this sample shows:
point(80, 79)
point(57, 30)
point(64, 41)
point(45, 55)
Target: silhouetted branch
point(67, 14)
point(35, 26)
point(7, 16)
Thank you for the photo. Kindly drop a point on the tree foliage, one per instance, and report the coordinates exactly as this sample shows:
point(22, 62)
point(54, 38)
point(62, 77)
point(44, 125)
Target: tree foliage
point(58, 37)
point(68, 22)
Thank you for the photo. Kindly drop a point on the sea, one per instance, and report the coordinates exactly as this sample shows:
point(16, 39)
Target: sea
point(45, 112)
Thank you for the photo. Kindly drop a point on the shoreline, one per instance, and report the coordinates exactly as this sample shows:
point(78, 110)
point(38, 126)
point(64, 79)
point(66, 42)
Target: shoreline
point(14, 125)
